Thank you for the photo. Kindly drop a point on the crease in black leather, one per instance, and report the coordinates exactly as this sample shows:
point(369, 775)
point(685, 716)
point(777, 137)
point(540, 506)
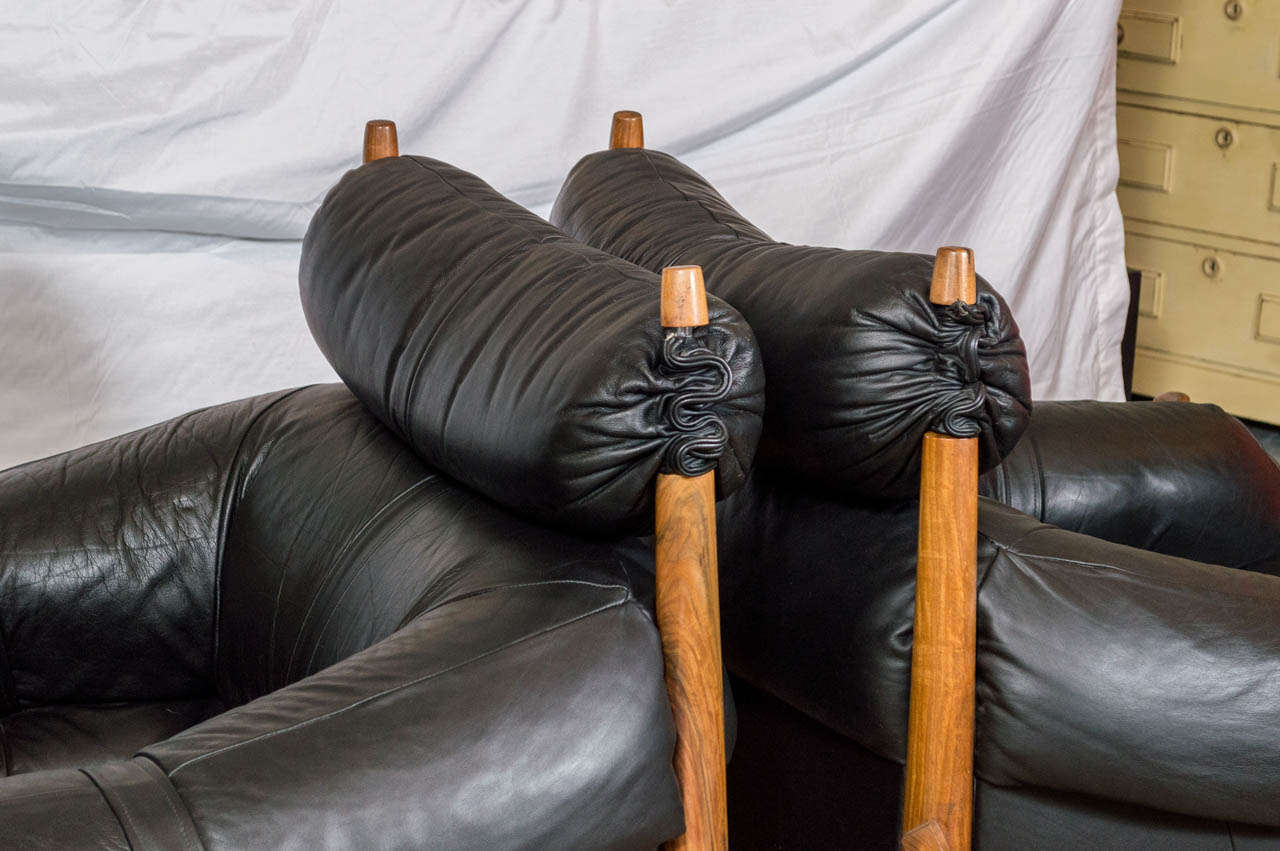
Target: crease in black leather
point(516, 360)
point(859, 362)
point(8, 698)
point(5, 760)
point(228, 494)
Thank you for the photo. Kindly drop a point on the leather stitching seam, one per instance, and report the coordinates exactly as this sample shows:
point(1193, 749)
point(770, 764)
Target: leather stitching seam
point(121, 819)
point(169, 793)
point(397, 688)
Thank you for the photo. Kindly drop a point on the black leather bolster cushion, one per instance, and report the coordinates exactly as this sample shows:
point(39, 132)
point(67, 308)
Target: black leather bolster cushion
point(860, 364)
point(518, 361)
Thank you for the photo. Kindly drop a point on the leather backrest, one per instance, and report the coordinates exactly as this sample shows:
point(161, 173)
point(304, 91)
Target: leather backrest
point(338, 535)
point(109, 563)
point(859, 363)
point(519, 362)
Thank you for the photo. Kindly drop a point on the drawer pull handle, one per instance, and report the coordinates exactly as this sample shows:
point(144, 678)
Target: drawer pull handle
point(1224, 138)
point(1211, 267)
point(1233, 9)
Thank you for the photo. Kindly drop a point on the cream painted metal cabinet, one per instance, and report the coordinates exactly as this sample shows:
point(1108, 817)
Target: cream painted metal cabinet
point(1198, 125)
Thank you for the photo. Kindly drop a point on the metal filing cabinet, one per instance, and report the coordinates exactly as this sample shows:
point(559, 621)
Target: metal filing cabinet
point(1198, 127)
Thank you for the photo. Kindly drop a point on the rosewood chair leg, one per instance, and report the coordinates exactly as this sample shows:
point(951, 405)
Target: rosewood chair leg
point(380, 140)
point(627, 130)
point(938, 806)
point(688, 606)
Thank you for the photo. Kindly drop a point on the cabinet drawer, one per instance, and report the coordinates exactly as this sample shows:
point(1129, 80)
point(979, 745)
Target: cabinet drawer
point(1192, 49)
point(1198, 172)
point(1216, 311)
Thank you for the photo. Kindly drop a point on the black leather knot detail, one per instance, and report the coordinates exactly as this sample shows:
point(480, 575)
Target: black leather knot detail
point(702, 378)
point(964, 329)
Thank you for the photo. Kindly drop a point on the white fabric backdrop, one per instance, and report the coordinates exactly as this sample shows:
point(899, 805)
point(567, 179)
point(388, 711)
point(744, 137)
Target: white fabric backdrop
point(159, 162)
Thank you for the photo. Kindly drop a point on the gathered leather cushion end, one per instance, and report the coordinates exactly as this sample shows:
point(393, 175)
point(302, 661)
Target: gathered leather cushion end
point(911, 367)
point(860, 364)
point(522, 363)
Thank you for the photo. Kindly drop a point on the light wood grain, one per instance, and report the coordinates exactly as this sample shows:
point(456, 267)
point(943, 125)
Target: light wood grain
point(689, 621)
point(688, 608)
point(627, 130)
point(939, 774)
point(926, 837)
point(684, 297)
point(953, 276)
point(380, 140)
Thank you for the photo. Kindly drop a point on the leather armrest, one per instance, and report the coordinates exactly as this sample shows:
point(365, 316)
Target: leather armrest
point(108, 562)
point(127, 803)
point(1126, 674)
point(1102, 669)
point(527, 715)
point(1186, 480)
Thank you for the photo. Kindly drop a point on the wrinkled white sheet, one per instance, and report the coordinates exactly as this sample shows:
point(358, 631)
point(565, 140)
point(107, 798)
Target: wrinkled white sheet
point(159, 162)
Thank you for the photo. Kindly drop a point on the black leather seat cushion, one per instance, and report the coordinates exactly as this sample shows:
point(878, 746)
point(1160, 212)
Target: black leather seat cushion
point(859, 363)
point(516, 360)
point(77, 736)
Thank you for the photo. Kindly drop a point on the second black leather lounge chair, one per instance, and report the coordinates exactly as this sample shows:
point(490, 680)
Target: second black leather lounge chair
point(1128, 656)
point(401, 613)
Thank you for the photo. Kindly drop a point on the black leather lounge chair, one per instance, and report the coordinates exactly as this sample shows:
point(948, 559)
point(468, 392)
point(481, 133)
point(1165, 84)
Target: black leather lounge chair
point(1128, 656)
point(401, 613)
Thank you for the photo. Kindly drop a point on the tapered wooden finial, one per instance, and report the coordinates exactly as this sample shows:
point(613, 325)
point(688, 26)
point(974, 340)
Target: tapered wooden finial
point(684, 297)
point(953, 276)
point(380, 140)
point(627, 130)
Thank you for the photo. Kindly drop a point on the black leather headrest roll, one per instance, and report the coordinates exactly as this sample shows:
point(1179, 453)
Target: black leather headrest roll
point(860, 364)
point(518, 361)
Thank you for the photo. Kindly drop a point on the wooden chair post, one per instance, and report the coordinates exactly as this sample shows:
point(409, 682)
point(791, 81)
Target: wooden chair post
point(938, 809)
point(380, 140)
point(627, 130)
point(688, 606)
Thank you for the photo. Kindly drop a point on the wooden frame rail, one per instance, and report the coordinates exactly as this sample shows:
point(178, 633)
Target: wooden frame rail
point(938, 806)
point(688, 596)
point(688, 605)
